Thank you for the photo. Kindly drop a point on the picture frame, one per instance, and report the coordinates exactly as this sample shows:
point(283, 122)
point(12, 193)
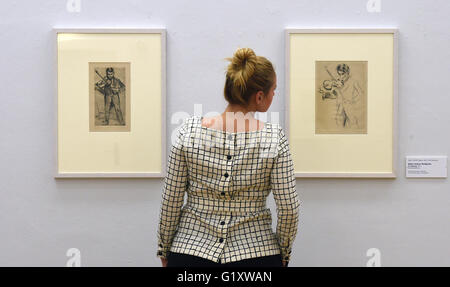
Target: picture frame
point(342, 101)
point(110, 102)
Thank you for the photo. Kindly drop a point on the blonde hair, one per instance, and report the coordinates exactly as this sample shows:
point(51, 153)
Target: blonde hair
point(246, 75)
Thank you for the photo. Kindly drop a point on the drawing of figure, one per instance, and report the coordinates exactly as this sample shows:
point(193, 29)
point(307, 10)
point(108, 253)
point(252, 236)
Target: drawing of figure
point(347, 92)
point(111, 87)
point(349, 95)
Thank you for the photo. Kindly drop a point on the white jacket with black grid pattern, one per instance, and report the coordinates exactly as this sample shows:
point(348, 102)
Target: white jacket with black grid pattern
point(227, 178)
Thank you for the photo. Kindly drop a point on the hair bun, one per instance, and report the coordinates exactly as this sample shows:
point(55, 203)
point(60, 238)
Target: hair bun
point(242, 66)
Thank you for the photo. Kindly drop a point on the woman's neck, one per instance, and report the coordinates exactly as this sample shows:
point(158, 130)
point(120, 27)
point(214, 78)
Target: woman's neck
point(238, 112)
point(234, 116)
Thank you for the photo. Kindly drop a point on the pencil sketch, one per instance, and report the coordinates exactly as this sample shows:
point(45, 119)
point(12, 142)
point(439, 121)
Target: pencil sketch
point(341, 97)
point(109, 96)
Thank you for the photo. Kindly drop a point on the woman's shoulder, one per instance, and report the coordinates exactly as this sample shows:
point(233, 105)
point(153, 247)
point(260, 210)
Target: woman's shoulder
point(189, 121)
point(274, 128)
point(185, 127)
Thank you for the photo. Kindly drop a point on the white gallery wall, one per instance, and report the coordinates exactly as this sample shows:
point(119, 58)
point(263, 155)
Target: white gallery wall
point(113, 222)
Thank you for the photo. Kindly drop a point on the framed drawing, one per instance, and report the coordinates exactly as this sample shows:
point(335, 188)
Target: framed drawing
point(110, 102)
point(341, 105)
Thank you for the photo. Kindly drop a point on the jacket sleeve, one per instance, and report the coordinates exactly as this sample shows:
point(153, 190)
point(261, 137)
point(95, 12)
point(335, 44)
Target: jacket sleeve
point(283, 184)
point(175, 184)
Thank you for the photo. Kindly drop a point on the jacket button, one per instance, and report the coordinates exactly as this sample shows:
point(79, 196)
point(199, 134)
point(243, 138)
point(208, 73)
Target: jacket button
point(221, 240)
point(222, 223)
point(226, 174)
point(228, 156)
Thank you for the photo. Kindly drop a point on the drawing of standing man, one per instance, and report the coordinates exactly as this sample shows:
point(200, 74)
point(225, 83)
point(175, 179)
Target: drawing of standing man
point(111, 88)
point(348, 98)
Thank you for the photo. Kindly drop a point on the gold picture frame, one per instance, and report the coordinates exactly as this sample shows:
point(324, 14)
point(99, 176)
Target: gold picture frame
point(341, 104)
point(110, 103)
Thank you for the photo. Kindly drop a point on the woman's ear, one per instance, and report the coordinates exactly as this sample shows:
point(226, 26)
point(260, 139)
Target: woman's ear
point(259, 96)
